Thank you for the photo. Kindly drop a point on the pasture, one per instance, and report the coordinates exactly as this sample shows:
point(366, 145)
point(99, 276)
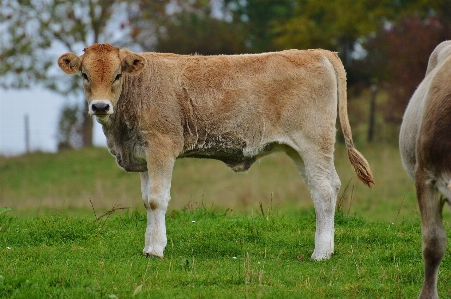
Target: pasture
point(209, 255)
point(76, 230)
point(74, 181)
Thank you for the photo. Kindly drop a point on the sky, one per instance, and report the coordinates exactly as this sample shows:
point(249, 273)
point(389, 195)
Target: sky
point(43, 108)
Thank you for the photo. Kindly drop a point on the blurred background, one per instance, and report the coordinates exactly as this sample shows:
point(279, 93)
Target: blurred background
point(383, 44)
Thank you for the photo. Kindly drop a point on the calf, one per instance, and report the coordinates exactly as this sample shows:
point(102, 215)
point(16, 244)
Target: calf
point(425, 146)
point(155, 108)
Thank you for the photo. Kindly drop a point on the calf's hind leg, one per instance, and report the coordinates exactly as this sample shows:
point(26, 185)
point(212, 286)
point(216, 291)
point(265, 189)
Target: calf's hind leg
point(433, 232)
point(318, 172)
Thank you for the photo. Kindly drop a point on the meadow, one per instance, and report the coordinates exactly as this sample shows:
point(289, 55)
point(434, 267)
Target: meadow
point(209, 255)
point(78, 181)
point(72, 226)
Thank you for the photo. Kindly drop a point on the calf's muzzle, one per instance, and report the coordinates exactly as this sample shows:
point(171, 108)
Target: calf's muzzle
point(99, 107)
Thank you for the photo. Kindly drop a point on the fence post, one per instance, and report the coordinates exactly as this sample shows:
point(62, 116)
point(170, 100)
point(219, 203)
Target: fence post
point(372, 113)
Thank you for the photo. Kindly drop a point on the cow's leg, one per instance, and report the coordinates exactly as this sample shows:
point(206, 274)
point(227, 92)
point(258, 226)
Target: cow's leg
point(145, 195)
point(155, 188)
point(318, 172)
point(433, 232)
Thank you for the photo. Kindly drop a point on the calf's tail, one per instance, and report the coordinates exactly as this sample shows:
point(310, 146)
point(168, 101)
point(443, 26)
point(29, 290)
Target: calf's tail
point(361, 166)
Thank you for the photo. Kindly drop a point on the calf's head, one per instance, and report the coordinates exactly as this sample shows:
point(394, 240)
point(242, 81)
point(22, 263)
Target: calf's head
point(101, 67)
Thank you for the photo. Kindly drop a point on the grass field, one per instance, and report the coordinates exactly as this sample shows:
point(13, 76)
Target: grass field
point(229, 235)
point(209, 255)
point(72, 181)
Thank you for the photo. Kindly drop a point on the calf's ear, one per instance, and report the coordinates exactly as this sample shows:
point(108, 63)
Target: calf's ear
point(132, 63)
point(69, 63)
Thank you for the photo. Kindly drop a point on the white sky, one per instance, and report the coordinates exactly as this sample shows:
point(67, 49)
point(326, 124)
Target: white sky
point(43, 108)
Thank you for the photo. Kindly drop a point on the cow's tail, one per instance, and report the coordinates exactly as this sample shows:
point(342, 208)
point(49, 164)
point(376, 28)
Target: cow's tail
point(361, 166)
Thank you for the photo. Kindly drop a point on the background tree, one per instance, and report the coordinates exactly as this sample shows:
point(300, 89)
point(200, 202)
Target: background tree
point(208, 27)
point(340, 25)
point(258, 18)
point(193, 33)
point(404, 49)
point(335, 25)
point(186, 28)
point(34, 33)
point(399, 50)
point(396, 38)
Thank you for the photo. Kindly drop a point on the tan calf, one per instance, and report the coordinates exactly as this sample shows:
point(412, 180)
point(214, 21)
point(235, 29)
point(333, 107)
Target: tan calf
point(156, 108)
point(425, 146)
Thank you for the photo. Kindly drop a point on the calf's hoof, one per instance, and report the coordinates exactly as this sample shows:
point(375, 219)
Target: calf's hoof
point(321, 256)
point(151, 251)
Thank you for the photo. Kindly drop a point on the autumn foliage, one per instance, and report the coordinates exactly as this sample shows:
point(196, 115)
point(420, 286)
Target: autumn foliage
point(402, 53)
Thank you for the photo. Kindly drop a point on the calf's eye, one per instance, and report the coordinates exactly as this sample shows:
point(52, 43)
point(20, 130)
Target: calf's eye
point(84, 76)
point(118, 76)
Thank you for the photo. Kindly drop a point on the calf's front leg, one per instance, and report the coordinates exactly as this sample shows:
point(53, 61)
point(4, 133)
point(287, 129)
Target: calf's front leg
point(155, 188)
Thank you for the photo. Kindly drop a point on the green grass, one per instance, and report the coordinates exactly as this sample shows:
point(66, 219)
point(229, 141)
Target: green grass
point(252, 234)
point(209, 255)
point(42, 183)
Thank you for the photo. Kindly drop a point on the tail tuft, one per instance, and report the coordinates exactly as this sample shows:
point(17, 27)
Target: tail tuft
point(361, 167)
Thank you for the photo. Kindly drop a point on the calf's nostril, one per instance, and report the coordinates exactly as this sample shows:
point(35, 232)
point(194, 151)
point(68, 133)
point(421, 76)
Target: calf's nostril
point(100, 107)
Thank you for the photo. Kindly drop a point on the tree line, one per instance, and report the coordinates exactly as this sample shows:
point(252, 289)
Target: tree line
point(385, 43)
